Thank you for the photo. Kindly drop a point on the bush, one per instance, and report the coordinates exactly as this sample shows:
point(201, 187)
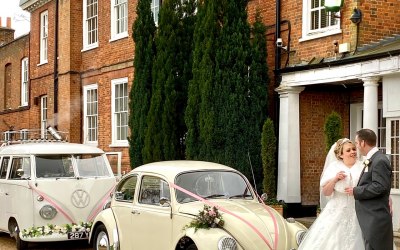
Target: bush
point(333, 129)
point(268, 150)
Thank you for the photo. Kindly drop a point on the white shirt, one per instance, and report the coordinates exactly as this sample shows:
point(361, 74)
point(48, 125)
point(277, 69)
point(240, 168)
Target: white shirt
point(371, 152)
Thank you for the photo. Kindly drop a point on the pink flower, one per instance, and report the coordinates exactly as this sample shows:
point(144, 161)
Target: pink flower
point(211, 213)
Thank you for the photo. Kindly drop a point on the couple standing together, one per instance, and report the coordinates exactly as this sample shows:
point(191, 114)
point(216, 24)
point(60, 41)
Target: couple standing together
point(355, 199)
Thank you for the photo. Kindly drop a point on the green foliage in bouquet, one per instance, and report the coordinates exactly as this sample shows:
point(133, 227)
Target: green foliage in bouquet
point(207, 218)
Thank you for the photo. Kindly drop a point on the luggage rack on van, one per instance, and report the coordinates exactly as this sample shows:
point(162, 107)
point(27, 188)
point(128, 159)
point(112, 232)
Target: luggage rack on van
point(32, 135)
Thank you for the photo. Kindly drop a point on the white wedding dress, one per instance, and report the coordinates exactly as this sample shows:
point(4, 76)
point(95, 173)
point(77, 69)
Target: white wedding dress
point(337, 228)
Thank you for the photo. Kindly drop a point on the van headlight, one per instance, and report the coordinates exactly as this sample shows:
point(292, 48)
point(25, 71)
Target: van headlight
point(300, 236)
point(48, 212)
point(227, 243)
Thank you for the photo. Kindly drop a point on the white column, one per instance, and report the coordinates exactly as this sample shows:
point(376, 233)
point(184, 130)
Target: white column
point(370, 113)
point(289, 145)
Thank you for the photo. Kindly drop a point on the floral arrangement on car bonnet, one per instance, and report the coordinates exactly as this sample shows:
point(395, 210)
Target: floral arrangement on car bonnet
point(207, 218)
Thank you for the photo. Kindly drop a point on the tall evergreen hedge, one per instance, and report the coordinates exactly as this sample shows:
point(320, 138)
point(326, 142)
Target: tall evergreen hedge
point(140, 94)
point(268, 150)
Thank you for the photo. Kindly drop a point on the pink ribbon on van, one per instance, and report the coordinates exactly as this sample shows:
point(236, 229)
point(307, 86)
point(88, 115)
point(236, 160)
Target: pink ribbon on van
point(49, 200)
point(100, 205)
point(235, 215)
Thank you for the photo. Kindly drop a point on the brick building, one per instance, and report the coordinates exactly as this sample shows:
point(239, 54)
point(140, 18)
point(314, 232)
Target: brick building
point(328, 62)
point(14, 54)
point(324, 63)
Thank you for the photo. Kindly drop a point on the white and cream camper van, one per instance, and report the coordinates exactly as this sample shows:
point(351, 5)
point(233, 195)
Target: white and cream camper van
point(51, 191)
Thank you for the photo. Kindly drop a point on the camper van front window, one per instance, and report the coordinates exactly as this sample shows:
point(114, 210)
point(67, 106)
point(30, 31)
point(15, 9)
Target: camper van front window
point(90, 165)
point(54, 166)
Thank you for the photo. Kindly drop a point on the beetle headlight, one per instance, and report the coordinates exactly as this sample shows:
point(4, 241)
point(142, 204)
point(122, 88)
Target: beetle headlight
point(300, 236)
point(48, 212)
point(227, 243)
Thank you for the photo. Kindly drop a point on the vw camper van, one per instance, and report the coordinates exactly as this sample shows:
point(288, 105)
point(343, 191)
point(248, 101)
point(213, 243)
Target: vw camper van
point(51, 191)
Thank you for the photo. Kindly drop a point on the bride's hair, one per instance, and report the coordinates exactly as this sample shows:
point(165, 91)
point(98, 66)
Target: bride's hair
point(339, 147)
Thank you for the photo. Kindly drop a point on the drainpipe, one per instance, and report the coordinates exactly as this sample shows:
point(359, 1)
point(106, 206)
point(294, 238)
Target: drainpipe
point(55, 120)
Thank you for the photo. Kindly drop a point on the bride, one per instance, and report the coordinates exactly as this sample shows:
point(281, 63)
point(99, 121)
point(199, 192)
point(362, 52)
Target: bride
point(337, 226)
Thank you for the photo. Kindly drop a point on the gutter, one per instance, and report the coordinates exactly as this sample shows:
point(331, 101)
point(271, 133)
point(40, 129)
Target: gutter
point(56, 67)
point(348, 60)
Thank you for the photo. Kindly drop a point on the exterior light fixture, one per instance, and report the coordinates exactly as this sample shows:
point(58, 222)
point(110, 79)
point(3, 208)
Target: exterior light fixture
point(333, 5)
point(356, 16)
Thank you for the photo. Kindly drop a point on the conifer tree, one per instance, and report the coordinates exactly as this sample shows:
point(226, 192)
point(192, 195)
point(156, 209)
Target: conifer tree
point(258, 92)
point(143, 36)
point(171, 74)
point(199, 113)
point(232, 88)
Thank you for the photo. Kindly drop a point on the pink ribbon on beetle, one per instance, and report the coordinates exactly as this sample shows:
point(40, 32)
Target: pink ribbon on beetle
point(235, 215)
point(49, 200)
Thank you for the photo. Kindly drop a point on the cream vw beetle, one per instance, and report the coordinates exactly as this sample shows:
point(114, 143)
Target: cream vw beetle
point(159, 206)
point(51, 191)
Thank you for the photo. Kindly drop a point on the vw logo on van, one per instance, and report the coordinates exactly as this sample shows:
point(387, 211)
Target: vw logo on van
point(80, 198)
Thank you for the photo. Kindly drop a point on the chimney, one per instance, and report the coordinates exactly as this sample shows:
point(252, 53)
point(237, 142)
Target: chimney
point(9, 22)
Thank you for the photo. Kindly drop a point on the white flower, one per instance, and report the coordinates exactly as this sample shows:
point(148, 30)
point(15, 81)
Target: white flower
point(366, 162)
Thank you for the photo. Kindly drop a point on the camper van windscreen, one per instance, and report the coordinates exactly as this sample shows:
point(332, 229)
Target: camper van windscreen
point(54, 166)
point(91, 165)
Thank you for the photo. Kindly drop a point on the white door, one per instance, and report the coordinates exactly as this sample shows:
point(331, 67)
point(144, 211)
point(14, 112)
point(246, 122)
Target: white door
point(152, 222)
point(3, 192)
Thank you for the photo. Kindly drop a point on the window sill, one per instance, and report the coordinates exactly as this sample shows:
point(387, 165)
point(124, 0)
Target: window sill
point(118, 37)
point(90, 47)
point(42, 63)
point(320, 35)
point(119, 145)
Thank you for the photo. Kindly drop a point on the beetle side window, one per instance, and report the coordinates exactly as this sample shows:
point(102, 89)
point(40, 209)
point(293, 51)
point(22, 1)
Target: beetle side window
point(126, 189)
point(152, 189)
point(3, 167)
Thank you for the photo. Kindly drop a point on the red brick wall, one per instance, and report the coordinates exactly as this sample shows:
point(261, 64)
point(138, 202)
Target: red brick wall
point(315, 106)
point(11, 56)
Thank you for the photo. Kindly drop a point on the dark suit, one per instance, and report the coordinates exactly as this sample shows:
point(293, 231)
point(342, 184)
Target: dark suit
point(372, 203)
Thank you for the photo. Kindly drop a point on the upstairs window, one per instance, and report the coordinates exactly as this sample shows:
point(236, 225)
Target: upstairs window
point(90, 114)
point(90, 24)
point(155, 8)
point(317, 22)
point(119, 19)
point(44, 22)
point(120, 111)
point(24, 82)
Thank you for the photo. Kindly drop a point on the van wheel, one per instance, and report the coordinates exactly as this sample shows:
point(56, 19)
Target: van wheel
point(101, 239)
point(14, 232)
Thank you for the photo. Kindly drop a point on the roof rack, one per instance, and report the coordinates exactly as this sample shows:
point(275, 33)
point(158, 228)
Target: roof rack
point(32, 135)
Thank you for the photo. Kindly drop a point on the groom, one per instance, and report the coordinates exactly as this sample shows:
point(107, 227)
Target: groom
point(372, 194)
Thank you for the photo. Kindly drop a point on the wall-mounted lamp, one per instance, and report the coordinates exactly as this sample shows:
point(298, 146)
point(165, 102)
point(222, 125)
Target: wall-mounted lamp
point(333, 5)
point(356, 16)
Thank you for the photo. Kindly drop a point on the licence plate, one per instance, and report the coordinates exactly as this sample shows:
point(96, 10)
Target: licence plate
point(78, 235)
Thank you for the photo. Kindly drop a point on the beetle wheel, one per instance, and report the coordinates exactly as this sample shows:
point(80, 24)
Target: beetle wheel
point(101, 239)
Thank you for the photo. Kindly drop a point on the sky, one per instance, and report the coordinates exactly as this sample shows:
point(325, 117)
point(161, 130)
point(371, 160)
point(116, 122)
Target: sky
point(19, 18)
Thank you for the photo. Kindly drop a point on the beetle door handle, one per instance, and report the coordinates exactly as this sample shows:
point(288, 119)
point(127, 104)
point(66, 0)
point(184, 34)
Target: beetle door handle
point(135, 212)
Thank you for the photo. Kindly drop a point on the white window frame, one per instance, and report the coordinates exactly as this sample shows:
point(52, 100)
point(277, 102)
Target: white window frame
point(24, 81)
point(356, 123)
point(24, 134)
point(44, 33)
point(307, 33)
point(155, 9)
point(396, 163)
point(119, 19)
point(93, 115)
point(114, 116)
point(87, 43)
point(43, 116)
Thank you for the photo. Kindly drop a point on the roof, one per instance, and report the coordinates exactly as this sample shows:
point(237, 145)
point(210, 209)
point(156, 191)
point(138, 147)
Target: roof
point(171, 168)
point(49, 148)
